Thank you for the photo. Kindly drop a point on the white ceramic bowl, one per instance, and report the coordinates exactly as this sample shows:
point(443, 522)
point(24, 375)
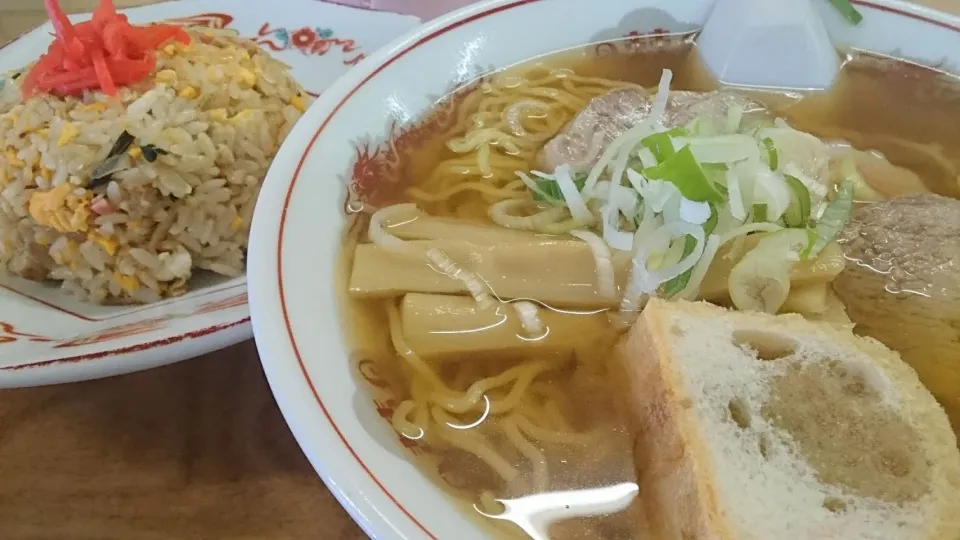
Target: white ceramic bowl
point(298, 221)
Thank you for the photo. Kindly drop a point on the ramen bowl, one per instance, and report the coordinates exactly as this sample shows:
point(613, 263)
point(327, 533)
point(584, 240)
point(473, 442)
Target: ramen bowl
point(350, 147)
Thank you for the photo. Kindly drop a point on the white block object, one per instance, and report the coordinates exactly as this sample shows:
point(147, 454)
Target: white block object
point(780, 44)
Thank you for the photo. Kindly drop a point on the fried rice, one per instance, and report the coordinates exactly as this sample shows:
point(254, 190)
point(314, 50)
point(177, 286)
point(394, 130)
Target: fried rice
point(123, 199)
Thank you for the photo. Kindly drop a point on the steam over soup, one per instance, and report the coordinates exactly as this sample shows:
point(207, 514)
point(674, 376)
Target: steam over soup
point(489, 283)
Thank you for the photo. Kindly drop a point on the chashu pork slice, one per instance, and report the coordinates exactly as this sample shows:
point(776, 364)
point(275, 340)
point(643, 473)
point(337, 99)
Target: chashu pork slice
point(608, 116)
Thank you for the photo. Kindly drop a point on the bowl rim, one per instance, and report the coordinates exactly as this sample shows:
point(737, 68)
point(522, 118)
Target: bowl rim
point(350, 478)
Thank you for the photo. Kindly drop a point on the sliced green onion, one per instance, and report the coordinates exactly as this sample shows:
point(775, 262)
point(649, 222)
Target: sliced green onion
point(759, 213)
point(862, 191)
point(552, 189)
point(677, 284)
point(734, 118)
point(847, 11)
point(711, 223)
point(798, 212)
point(660, 144)
point(715, 168)
point(834, 219)
point(754, 126)
point(683, 171)
point(724, 192)
point(728, 148)
point(811, 241)
point(693, 126)
point(772, 159)
point(716, 174)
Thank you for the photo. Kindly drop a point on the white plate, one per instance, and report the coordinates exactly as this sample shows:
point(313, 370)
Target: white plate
point(298, 222)
point(46, 337)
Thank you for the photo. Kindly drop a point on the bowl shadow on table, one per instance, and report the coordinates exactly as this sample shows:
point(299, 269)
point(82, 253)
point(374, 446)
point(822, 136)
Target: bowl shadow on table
point(193, 450)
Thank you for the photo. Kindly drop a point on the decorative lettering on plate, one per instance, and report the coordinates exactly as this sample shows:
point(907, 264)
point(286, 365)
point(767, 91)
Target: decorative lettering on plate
point(310, 41)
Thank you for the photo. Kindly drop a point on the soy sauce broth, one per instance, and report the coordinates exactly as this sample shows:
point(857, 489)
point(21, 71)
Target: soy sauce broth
point(905, 111)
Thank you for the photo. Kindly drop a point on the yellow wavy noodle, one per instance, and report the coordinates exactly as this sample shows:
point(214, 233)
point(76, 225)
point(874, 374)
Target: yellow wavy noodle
point(412, 429)
point(558, 436)
point(533, 454)
point(506, 192)
point(421, 369)
point(552, 417)
point(486, 152)
point(523, 411)
point(473, 442)
point(488, 503)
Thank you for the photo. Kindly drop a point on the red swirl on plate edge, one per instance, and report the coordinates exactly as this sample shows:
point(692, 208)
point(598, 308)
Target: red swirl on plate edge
point(103, 53)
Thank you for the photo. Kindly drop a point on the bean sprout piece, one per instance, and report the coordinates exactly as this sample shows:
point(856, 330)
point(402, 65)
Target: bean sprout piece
point(475, 285)
point(602, 258)
point(527, 311)
point(380, 237)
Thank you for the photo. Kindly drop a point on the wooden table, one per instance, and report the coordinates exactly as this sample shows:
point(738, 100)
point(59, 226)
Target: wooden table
point(197, 450)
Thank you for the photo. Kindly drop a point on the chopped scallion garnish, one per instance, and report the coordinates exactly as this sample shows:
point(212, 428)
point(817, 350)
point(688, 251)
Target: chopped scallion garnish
point(811, 241)
point(660, 145)
point(798, 212)
point(711, 224)
point(688, 191)
point(772, 159)
point(847, 11)
point(834, 219)
point(552, 188)
point(759, 213)
point(683, 171)
point(714, 171)
point(677, 284)
point(716, 174)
